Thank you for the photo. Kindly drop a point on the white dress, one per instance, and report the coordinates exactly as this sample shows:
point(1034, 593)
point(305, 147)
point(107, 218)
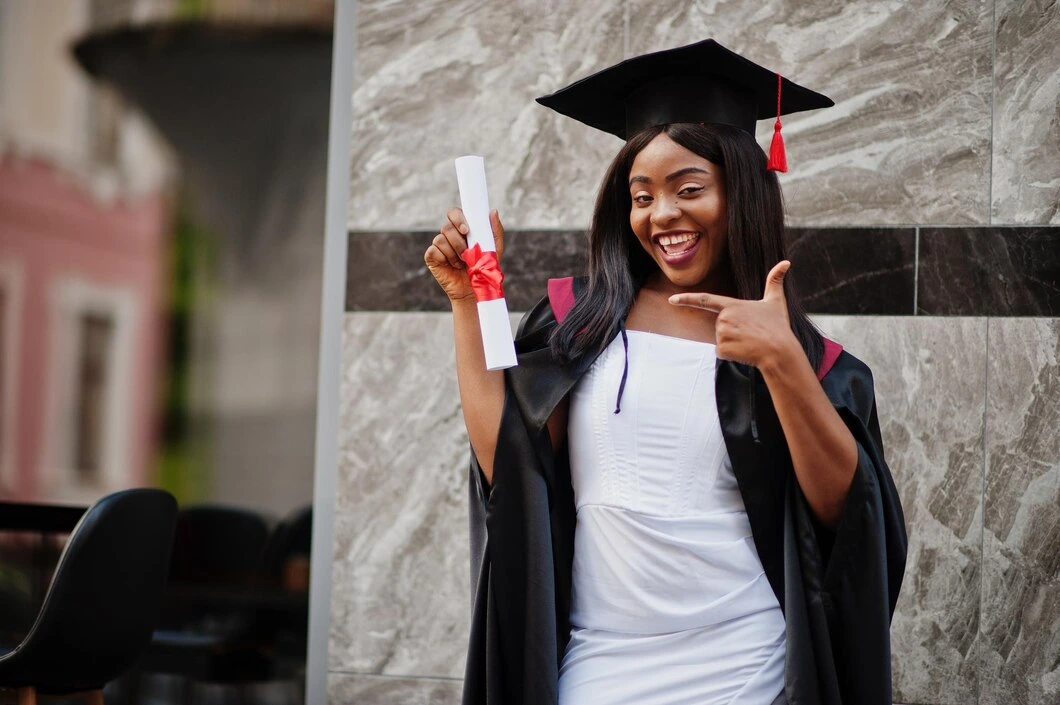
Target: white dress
point(670, 604)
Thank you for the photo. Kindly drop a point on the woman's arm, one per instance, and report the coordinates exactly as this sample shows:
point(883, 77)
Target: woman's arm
point(823, 451)
point(481, 391)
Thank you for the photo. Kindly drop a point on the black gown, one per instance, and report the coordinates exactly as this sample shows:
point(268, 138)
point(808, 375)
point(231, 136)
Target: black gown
point(837, 589)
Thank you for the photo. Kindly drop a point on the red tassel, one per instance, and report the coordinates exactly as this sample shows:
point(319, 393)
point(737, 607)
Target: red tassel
point(778, 157)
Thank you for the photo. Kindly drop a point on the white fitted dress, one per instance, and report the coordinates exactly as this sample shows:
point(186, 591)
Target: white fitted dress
point(670, 604)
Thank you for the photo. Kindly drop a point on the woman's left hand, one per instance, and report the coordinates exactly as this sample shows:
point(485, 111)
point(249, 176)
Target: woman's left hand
point(751, 332)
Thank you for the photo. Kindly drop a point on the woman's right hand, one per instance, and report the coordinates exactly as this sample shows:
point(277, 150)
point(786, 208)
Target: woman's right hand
point(443, 256)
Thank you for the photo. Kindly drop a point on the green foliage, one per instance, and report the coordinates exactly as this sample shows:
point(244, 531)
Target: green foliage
point(184, 458)
point(192, 9)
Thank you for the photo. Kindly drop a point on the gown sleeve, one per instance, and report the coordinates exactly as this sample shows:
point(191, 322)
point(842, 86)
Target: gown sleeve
point(844, 583)
point(511, 655)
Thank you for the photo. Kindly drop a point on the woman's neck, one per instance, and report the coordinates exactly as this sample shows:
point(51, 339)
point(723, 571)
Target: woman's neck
point(722, 283)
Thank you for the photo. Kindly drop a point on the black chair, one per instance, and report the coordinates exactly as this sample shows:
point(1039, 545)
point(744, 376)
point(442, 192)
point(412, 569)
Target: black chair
point(291, 541)
point(286, 570)
point(218, 545)
point(102, 602)
point(208, 629)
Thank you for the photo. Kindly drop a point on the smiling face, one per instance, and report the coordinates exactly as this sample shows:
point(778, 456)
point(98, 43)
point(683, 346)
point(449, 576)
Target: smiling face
point(679, 215)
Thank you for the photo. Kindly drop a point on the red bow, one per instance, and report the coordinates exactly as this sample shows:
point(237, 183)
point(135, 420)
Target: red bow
point(484, 271)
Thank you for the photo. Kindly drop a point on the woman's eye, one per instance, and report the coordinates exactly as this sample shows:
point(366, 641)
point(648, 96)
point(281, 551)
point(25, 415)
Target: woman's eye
point(689, 190)
point(642, 199)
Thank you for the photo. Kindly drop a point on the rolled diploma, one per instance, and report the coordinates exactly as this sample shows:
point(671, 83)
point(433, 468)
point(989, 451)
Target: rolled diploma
point(494, 323)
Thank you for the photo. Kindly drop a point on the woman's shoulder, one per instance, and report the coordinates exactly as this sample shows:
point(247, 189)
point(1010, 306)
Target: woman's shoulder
point(555, 303)
point(841, 361)
point(848, 379)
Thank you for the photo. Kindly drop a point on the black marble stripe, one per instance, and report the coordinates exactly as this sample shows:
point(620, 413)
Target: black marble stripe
point(989, 272)
point(385, 271)
point(867, 271)
point(995, 271)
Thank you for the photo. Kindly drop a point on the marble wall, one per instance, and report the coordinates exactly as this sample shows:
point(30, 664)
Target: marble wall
point(1020, 630)
point(400, 595)
point(904, 199)
point(945, 109)
point(968, 408)
point(1025, 183)
point(930, 376)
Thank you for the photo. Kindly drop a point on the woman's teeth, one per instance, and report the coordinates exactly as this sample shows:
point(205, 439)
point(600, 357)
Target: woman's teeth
point(676, 244)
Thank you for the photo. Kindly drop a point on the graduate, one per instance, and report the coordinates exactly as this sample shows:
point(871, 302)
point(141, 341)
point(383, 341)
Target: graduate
point(679, 496)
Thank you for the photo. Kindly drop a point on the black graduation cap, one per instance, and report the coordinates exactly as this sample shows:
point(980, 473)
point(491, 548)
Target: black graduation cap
point(701, 82)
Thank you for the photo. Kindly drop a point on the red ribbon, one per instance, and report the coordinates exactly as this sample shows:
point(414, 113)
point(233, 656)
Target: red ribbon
point(484, 271)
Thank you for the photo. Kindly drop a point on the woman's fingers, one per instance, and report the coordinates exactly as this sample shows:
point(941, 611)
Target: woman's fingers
point(498, 232)
point(455, 231)
point(433, 257)
point(456, 218)
point(456, 239)
point(443, 242)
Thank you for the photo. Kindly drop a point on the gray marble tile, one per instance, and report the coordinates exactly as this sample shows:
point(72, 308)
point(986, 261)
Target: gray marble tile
point(400, 598)
point(1026, 165)
point(437, 79)
point(901, 145)
point(352, 689)
point(1021, 538)
point(930, 377)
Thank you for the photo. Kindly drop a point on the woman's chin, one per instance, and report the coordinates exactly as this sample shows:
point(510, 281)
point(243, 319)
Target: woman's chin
point(686, 279)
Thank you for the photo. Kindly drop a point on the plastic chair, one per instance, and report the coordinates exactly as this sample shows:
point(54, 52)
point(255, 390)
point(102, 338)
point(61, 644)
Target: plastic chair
point(102, 602)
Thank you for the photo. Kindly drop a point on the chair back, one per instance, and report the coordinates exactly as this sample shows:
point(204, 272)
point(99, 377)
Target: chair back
point(291, 537)
point(218, 545)
point(104, 597)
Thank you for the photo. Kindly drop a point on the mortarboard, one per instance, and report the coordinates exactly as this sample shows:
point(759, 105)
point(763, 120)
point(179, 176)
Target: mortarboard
point(701, 82)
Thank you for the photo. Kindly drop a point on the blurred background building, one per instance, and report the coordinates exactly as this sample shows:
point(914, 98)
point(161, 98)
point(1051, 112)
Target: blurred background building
point(162, 167)
point(87, 195)
point(107, 237)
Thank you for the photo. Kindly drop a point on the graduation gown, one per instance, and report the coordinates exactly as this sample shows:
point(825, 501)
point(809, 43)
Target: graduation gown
point(837, 589)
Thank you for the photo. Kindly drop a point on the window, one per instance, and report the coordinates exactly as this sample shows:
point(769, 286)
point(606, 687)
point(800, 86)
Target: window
point(90, 382)
point(93, 377)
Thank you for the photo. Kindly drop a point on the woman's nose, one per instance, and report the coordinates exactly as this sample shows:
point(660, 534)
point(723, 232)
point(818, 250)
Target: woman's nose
point(665, 211)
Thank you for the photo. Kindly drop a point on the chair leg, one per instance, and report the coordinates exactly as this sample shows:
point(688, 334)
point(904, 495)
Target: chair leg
point(95, 697)
point(27, 696)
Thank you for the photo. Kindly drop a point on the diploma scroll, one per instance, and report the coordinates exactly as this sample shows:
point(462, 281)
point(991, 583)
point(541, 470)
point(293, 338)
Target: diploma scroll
point(483, 269)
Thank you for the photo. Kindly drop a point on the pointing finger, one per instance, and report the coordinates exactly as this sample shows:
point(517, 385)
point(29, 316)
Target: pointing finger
point(708, 302)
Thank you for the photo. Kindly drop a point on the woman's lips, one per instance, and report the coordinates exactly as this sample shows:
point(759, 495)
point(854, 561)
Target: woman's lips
point(676, 255)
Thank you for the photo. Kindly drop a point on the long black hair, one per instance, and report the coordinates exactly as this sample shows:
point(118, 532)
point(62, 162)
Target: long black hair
point(618, 265)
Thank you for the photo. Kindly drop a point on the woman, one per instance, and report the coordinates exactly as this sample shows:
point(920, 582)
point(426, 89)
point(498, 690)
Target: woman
point(680, 494)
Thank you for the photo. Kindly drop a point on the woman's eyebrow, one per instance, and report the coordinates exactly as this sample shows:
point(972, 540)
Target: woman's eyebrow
point(677, 174)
